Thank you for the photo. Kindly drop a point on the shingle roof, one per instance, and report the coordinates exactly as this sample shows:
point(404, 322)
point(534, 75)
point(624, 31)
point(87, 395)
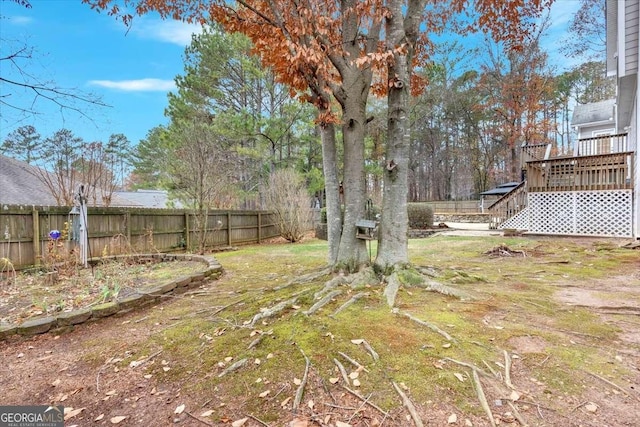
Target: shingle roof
point(20, 185)
point(149, 198)
point(594, 112)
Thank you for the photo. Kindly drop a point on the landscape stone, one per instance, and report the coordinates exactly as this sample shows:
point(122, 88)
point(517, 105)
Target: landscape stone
point(74, 317)
point(36, 326)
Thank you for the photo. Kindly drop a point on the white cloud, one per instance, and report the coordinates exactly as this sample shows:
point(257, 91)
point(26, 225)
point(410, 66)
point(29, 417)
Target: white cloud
point(169, 31)
point(20, 20)
point(140, 85)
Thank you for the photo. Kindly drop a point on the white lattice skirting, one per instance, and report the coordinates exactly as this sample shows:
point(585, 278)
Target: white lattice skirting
point(519, 221)
point(589, 213)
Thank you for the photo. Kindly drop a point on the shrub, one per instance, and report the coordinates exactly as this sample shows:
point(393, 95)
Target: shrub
point(287, 197)
point(420, 215)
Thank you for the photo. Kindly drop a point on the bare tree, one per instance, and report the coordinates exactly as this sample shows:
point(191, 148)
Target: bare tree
point(286, 195)
point(22, 89)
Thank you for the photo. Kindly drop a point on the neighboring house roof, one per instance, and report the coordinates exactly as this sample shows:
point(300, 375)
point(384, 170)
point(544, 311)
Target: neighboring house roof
point(20, 185)
point(149, 198)
point(501, 189)
point(594, 113)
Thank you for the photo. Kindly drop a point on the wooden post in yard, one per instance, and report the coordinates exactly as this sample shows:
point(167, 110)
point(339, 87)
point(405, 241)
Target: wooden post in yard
point(259, 226)
point(228, 228)
point(36, 236)
point(187, 232)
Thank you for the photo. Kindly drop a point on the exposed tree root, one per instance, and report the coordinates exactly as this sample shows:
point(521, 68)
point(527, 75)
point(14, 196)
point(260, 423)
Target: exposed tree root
point(446, 290)
point(353, 362)
point(482, 398)
point(343, 371)
point(239, 364)
point(306, 278)
point(391, 290)
point(423, 323)
point(272, 311)
point(324, 301)
point(505, 251)
point(303, 383)
point(409, 405)
point(330, 285)
point(517, 414)
point(507, 370)
point(367, 401)
point(371, 351)
point(255, 342)
point(352, 300)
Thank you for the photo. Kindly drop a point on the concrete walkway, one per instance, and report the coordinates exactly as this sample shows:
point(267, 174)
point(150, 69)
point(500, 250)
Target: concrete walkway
point(470, 229)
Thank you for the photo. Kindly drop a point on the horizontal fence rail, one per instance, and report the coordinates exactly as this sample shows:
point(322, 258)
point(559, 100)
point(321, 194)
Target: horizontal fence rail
point(25, 242)
point(586, 173)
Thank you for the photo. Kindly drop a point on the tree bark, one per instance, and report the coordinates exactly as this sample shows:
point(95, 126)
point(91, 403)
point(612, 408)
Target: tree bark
point(352, 251)
point(393, 249)
point(332, 189)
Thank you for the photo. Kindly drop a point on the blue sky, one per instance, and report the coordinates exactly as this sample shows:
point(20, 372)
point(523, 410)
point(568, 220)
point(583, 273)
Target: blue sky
point(80, 49)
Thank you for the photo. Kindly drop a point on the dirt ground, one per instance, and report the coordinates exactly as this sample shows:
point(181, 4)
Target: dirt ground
point(100, 372)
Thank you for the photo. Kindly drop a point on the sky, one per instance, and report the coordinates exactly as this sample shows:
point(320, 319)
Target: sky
point(130, 70)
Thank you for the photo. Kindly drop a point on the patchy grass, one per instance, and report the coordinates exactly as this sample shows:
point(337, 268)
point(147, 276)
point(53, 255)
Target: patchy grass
point(554, 346)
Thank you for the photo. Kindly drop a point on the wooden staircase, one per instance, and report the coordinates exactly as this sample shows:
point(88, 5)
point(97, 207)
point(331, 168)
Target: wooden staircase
point(509, 205)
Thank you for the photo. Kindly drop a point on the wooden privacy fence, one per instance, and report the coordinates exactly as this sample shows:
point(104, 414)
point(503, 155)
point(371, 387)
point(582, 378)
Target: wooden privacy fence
point(24, 231)
point(456, 206)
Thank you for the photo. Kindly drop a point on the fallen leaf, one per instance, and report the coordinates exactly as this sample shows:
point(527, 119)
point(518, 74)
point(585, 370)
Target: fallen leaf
point(71, 412)
point(358, 341)
point(514, 396)
point(403, 386)
point(240, 422)
point(257, 361)
point(264, 393)
point(284, 402)
point(591, 407)
point(270, 356)
point(99, 417)
point(111, 393)
point(118, 419)
point(207, 413)
point(310, 404)
point(166, 368)
point(259, 380)
point(56, 383)
point(164, 362)
point(459, 376)
point(446, 345)
point(179, 409)
point(148, 376)
point(334, 380)
point(353, 375)
point(356, 383)
point(298, 423)
point(297, 381)
point(453, 418)
point(341, 424)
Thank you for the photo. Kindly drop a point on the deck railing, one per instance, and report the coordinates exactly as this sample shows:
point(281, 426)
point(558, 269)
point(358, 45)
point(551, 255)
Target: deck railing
point(604, 144)
point(584, 173)
point(508, 205)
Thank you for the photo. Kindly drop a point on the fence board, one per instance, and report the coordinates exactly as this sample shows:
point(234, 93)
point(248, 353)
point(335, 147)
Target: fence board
point(117, 230)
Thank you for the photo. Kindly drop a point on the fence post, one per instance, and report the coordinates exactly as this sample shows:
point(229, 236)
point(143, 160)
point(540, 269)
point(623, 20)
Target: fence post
point(36, 236)
point(187, 232)
point(259, 226)
point(228, 228)
point(127, 218)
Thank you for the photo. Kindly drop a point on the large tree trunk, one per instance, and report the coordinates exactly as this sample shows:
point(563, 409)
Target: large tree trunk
point(393, 249)
point(332, 189)
point(352, 251)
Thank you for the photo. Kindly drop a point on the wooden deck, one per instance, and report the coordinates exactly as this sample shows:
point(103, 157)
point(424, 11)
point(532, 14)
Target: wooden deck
point(583, 173)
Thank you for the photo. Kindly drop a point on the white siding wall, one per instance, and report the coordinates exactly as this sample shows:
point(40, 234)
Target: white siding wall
point(631, 36)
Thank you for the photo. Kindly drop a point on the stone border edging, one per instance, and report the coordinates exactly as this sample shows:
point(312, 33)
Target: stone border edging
point(140, 298)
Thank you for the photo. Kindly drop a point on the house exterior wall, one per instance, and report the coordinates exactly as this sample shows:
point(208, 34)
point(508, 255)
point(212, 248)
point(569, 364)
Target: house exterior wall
point(631, 13)
point(588, 131)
